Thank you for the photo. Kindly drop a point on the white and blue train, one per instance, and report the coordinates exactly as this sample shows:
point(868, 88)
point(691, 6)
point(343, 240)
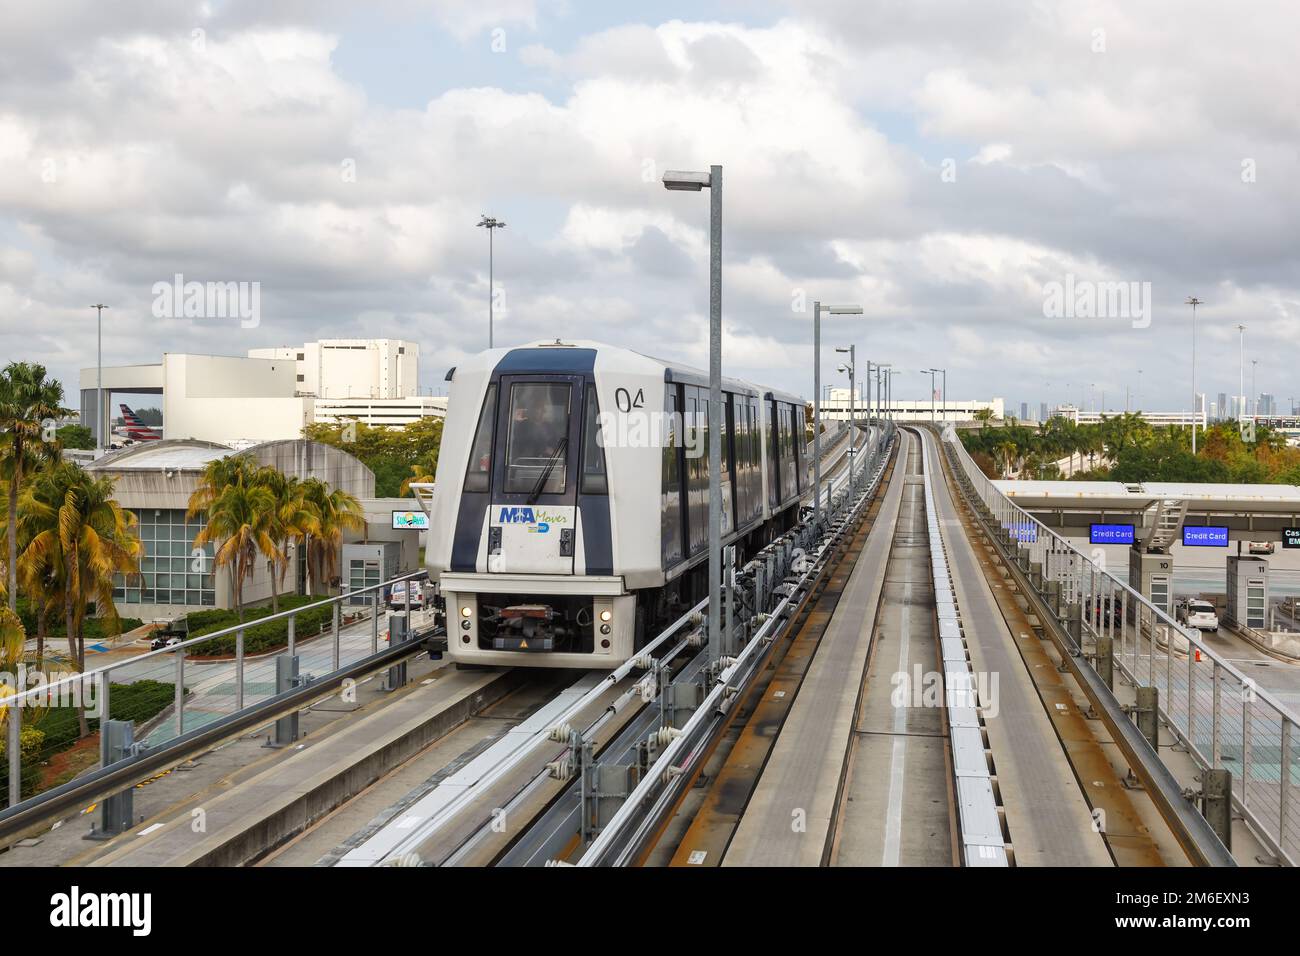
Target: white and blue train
point(570, 507)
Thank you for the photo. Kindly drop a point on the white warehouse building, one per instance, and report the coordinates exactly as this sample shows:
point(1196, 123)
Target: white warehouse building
point(836, 406)
point(351, 368)
point(271, 394)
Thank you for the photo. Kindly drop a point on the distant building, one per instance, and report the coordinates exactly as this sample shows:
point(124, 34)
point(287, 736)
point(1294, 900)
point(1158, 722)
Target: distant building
point(272, 393)
point(381, 412)
point(836, 406)
point(352, 368)
point(1223, 405)
point(1024, 411)
point(1042, 411)
point(1267, 405)
point(218, 398)
point(1079, 417)
point(155, 481)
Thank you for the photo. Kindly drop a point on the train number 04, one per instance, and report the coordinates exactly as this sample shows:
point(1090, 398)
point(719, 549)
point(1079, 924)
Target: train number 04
point(626, 402)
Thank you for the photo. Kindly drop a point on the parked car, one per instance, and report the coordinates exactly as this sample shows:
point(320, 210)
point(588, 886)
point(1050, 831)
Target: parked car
point(172, 633)
point(1197, 613)
point(1259, 547)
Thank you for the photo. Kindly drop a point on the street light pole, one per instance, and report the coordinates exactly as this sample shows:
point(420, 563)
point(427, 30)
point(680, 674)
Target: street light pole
point(1254, 391)
point(1193, 301)
point(817, 394)
point(490, 223)
point(853, 406)
point(817, 410)
point(1241, 372)
point(99, 376)
point(694, 182)
point(932, 372)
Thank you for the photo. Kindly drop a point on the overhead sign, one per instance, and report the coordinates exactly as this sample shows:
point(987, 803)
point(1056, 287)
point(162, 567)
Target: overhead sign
point(1205, 536)
point(410, 521)
point(1110, 534)
point(1026, 531)
point(1291, 537)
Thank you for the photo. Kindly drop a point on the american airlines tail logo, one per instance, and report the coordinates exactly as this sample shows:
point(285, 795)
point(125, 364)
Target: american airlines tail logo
point(137, 429)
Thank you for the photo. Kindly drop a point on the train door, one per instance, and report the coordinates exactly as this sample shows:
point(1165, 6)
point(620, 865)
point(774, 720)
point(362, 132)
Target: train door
point(532, 524)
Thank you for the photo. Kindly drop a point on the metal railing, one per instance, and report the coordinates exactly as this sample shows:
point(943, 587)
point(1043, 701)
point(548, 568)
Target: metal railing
point(652, 798)
point(335, 632)
point(1220, 716)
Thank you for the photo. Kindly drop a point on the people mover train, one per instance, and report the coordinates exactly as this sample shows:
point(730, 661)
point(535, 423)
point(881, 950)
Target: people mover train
point(570, 506)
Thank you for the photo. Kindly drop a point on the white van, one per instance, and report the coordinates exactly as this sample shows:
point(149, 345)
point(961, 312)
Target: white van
point(397, 595)
point(1198, 613)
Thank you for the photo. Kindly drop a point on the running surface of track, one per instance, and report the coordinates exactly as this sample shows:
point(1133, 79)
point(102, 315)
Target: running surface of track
point(854, 779)
point(789, 818)
point(1049, 821)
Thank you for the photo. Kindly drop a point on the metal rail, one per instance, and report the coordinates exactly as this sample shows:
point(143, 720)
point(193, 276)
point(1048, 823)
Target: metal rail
point(125, 773)
point(647, 805)
point(982, 840)
point(1219, 729)
point(211, 677)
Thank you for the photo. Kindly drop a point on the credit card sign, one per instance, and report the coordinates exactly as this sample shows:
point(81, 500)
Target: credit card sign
point(1110, 534)
point(1205, 536)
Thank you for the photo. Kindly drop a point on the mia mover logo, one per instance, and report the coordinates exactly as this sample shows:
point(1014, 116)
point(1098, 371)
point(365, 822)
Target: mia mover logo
point(74, 909)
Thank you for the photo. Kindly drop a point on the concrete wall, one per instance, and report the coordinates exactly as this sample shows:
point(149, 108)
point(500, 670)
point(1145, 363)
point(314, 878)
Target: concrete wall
point(229, 399)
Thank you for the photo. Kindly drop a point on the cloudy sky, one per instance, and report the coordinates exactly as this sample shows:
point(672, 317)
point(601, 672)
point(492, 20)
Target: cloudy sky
point(945, 164)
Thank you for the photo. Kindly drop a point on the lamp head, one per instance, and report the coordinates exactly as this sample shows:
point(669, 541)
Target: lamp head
point(685, 180)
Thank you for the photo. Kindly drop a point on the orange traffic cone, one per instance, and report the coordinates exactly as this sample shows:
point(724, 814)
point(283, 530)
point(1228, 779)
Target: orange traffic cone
point(1198, 655)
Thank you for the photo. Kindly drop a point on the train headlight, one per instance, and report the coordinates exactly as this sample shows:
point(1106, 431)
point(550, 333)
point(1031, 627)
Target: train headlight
point(466, 611)
point(604, 629)
point(606, 615)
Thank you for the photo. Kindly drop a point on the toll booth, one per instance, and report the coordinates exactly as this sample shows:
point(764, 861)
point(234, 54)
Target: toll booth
point(1151, 575)
point(1248, 591)
point(369, 564)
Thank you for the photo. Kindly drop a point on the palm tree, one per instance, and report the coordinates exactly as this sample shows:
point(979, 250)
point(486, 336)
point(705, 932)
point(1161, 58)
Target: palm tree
point(27, 401)
point(218, 475)
point(422, 472)
point(335, 512)
point(292, 519)
point(79, 536)
point(240, 525)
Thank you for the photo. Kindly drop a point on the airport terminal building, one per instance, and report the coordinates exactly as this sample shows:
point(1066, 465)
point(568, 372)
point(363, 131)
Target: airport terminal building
point(154, 480)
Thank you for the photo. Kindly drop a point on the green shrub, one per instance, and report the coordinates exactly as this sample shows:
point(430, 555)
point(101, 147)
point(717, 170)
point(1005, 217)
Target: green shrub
point(258, 637)
point(136, 702)
point(31, 744)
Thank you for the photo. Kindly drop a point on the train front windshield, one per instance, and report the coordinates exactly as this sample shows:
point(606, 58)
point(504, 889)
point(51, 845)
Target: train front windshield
point(538, 438)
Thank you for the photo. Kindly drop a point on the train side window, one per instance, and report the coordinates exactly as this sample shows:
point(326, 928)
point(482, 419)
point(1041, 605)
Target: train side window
point(594, 480)
point(670, 527)
point(478, 474)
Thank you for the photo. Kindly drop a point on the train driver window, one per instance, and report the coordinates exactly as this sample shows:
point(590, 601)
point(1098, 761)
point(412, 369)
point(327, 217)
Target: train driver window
point(478, 473)
point(537, 438)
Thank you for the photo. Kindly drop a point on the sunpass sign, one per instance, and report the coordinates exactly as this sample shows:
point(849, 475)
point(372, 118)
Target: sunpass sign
point(1110, 534)
point(1205, 536)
